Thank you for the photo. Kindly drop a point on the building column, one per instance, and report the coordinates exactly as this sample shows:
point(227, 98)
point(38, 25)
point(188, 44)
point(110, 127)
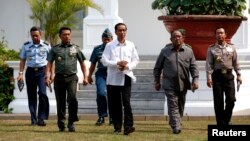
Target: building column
point(95, 23)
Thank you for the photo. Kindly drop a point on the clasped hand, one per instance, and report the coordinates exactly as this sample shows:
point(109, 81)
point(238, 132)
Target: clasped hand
point(122, 65)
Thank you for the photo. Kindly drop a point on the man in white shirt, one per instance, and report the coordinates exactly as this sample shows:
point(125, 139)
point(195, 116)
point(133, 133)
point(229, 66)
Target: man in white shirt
point(120, 57)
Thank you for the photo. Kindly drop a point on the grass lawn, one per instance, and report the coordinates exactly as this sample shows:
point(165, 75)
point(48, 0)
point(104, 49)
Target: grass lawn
point(152, 130)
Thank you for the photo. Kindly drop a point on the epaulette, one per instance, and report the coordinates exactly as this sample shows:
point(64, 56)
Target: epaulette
point(57, 45)
point(167, 45)
point(75, 45)
point(211, 45)
point(187, 45)
point(27, 42)
point(46, 43)
point(230, 43)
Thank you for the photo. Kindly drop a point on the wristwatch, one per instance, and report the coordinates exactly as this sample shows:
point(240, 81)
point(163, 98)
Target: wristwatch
point(20, 73)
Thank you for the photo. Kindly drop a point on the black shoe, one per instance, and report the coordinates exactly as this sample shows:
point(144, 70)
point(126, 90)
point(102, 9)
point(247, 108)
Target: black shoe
point(176, 131)
point(71, 127)
point(100, 121)
point(61, 129)
point(117, 131)
point(41, 122)
point(110, 121)
point(129, 130)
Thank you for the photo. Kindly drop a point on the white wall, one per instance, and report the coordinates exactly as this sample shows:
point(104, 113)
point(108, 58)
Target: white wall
point(144, 29)
point(15, 22)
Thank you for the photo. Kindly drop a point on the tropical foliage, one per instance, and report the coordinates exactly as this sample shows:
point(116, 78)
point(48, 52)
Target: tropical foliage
point(6, 74)
point(5, 52)
point(201, 7)
point(52, 14)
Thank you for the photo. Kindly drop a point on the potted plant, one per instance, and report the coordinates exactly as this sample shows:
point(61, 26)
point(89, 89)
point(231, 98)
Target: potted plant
point(200, 19)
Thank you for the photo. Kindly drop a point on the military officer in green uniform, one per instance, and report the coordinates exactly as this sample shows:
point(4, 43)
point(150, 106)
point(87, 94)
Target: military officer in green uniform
point(65, 56)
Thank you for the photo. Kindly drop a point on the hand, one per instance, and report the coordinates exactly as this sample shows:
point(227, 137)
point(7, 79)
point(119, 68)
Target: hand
point(20, 77)
point(209, 83)
point(157, 86)
point(85, 81)
point(90, 80)
point(239, 79)
point(47, 81)
point(122, 65)
point(52, 78)
point(195, 86)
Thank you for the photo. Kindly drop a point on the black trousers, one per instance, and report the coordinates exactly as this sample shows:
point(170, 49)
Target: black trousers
point(119, 99)
point(65, 91)
point(223, 85)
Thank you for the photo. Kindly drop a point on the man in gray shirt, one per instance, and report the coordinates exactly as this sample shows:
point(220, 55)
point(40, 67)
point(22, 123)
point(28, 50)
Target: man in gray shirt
point(174, 65)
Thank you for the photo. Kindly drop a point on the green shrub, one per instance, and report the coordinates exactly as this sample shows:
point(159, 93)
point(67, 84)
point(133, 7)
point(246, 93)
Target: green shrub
point(5, 52)
point(6, 74)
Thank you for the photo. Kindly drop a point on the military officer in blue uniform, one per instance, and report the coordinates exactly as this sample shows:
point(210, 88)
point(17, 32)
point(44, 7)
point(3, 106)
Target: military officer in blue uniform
point(100, 78)
point(34, 54)
point(65, 56)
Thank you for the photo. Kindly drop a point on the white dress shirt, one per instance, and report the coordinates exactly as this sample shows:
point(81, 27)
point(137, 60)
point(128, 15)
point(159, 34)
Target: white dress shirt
point(114, 52)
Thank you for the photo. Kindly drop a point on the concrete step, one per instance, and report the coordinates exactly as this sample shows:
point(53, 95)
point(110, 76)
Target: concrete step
point(139, 106)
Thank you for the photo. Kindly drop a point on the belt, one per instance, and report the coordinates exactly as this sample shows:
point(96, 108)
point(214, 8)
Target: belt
point(65, 75)
point(36, 68)
point(224, 71)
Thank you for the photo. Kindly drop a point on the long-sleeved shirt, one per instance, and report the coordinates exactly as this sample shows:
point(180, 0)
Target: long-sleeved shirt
point(114, 52)
point(221, 57)
point(176, 67)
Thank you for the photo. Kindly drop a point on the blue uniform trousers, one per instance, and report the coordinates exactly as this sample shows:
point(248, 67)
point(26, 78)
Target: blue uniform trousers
point(101, 97)
point(35, 78)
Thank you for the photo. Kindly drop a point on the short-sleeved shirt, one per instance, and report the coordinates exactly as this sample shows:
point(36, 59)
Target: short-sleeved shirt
point(65, 57)
point(221, 57)
point(35, 54)
point(96, 57)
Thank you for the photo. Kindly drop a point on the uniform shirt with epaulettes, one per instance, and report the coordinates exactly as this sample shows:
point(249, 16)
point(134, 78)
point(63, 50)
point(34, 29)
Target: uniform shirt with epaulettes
point(65, 57)
point(97, 55)
point(222, 58)
point(35, 54)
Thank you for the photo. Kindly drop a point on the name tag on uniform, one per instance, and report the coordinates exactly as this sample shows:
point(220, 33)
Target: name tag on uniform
point(229, 49)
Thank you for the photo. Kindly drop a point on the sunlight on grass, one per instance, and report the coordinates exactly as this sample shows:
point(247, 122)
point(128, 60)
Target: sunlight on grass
point(12, 130)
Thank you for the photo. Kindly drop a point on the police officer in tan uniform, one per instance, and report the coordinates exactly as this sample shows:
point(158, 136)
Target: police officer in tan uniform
point(65, 56)
point(221, 60)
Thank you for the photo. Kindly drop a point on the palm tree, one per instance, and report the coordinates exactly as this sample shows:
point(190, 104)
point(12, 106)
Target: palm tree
point(52, 14)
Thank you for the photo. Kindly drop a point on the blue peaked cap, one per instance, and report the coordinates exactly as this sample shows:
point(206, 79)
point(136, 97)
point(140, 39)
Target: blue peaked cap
point(107, 34)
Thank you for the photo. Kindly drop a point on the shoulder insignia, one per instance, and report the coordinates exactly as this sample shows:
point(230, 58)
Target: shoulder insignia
point(167, 45)
point(26, 43)
point(75, 45)
point(57, 45)
point(230, 43)
point(46, 43)
point(187, 45)
point(211, 45)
